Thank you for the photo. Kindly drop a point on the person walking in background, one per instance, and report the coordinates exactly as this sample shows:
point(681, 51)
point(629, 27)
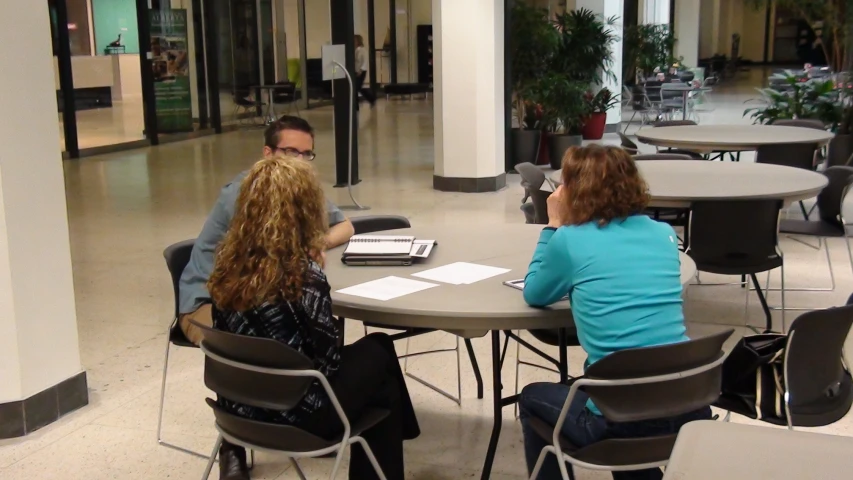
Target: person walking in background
point(361, 71)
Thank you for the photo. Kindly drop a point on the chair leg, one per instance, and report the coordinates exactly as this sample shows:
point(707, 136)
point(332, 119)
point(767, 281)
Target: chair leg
point(212, 459)
point(458, 372)
point(298, 469)
point(803, 209)
point(517, 368)
point(769, 318)
point(782, 268)
point(370, 457)
point(163, 392)
point(338, 458)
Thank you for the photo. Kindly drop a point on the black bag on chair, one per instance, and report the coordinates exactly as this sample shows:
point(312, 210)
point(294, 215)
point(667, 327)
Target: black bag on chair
point(753, 376)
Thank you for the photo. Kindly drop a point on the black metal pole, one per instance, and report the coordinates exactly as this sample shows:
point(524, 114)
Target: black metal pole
point(66, 81)
point(508, 166)
point(392, 23)
point(371, 43)
point(497, 404)
point(211, 34)
point(149, 96)
point(256, 58)
point(201, 75)
point(767, 20)
point(343, 33)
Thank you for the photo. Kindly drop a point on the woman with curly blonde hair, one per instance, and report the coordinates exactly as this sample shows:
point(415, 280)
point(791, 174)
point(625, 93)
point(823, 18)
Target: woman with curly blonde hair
point(622, 273)
point(268, 281)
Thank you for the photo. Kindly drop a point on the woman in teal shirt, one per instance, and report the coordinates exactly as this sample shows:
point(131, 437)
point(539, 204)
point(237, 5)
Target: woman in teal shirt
point(621, 270)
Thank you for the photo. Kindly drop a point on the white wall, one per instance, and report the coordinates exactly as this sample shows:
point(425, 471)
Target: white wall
point(38, 327)
point(720, 19)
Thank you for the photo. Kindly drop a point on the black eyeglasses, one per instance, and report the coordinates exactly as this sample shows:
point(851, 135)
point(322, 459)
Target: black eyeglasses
point(292, 152)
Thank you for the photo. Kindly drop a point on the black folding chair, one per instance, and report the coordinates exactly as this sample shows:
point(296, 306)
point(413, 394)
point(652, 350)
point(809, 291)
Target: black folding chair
point(177, 256)
point(636, 385)
point(738, 237)
point(265, 373)
point(818, 386)
point(796, 155)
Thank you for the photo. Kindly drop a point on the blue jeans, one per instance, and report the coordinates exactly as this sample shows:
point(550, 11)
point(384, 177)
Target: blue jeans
point(582, 427)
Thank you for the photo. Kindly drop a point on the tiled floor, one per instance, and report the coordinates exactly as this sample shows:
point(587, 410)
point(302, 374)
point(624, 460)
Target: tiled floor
point(125, 208)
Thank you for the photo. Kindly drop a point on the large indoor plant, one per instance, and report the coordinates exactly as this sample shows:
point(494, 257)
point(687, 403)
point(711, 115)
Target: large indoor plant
point(798, 97)
point(644, 49)
point(584, 52)
point(564, 109)
point(531, 45)
point(598, 104)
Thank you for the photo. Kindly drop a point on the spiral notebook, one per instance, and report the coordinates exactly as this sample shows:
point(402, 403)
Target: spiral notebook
point(385, 250)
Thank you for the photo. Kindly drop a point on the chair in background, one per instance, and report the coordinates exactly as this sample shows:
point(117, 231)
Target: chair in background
point(800, 122)
point(643, 104)
point(289, 95)
point(379, 223)
point(636, 385)
point(738, 237)
point(818, 386)
point(676, 217)
point(177, 256)
point(830, 223)
point(532, 180)
point(797, 155)
point(266, 373)
point(679, 123)
point(247, 107)
point(628, 145)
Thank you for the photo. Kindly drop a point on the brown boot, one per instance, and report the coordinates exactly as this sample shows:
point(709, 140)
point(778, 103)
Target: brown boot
point(232, 462)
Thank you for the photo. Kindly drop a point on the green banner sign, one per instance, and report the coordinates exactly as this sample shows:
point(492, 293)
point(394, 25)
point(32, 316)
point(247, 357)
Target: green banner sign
point(171, 63)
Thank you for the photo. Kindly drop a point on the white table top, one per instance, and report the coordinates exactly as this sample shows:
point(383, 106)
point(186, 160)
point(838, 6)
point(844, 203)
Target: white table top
point(729, 138)
point(678, 183)
point(709, 450)
point(469, 310)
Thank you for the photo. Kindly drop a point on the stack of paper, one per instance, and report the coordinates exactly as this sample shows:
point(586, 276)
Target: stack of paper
point(461, 273)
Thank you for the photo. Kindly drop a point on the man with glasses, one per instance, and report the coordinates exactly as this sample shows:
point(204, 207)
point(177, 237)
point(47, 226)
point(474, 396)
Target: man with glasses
point(289, 135)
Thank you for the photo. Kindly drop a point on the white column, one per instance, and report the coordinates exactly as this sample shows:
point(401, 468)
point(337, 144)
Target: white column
point(38, 327)
point(687, 31)
point(468, 52)
point(607, 9)
point(655, 12)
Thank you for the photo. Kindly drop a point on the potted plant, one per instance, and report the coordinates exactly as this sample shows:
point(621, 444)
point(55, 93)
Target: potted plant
point(531, 46)
point(796, 96)
point(564, 109)
point(584, 49)
point(599, 104)
point(646, 48)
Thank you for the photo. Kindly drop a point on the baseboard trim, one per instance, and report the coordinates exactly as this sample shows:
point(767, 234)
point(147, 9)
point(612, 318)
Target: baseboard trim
point(469, 185)
point(22, 417)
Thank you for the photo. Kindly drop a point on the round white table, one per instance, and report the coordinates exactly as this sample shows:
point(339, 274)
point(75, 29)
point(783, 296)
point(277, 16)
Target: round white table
point(729, 138)
point(679, 183)
point(465, 310)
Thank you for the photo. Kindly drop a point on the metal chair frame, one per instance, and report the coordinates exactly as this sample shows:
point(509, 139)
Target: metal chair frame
point(346, 440)
point(563, 457)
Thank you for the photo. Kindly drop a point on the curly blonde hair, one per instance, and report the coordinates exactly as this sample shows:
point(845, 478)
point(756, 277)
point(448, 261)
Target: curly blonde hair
point(279, 225)
point(602, 183)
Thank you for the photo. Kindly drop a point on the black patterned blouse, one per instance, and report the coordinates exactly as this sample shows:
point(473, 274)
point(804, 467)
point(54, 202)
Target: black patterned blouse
point(306, 325)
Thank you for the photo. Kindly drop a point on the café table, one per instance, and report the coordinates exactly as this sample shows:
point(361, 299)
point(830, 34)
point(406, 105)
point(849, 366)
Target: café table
point(679, 183)
point(711, 450)
point(469, 311)
point(729, 138)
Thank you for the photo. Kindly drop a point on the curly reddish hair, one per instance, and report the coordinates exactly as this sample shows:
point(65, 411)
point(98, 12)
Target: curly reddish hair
point(602, 183)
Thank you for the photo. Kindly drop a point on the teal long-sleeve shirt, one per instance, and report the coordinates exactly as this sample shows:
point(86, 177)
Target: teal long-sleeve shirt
point(623, 280)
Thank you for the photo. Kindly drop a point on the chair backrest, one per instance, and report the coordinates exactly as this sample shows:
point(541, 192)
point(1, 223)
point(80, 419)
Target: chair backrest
point(539, 199)
point(532, 176)
point(800, 122)
point(737, 233)
point(840, 151)
point(797, 155)
point(814, 355)
point(177, 257)
point(684, 391)
point(710, 81)
point(378, 223)
point(674, 123)
point(829, 200)
point(529, 211)
point(653, 90)
point(671, 90)
point(628, 144)
point(662, 156)
point(234, 368)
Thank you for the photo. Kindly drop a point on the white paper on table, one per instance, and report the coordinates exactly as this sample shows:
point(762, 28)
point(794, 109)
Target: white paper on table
point(387, 288)
point(461, 273)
